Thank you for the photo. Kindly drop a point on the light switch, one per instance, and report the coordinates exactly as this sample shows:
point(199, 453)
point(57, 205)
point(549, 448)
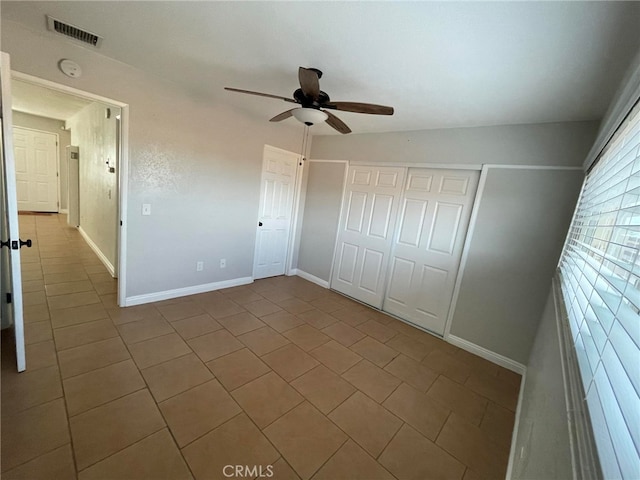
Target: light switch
point(146, 209)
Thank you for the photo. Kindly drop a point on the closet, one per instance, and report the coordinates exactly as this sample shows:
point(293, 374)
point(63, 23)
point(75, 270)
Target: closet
point(400, 239)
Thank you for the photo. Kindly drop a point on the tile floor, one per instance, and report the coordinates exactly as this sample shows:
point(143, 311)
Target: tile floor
point(282, 375)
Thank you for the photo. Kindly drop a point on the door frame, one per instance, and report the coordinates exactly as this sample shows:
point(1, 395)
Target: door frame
point(295, 208)
point(123, 169)
point(295, 214)
point(57, 155)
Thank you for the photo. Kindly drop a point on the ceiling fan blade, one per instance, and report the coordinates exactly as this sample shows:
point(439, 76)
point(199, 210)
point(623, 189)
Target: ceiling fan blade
point(360, 108)
point(283, 115)
point(290, 100)
point(309, 82)
point(336, 123)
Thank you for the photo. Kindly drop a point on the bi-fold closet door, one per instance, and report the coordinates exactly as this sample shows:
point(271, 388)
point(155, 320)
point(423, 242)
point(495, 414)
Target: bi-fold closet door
point(369, 211)
point(401, 237)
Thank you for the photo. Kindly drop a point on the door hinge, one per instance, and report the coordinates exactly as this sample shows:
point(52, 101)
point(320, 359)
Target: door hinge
point(9, 298)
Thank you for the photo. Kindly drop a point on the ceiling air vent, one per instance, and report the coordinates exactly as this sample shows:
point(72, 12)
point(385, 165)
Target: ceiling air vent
point(76, 33)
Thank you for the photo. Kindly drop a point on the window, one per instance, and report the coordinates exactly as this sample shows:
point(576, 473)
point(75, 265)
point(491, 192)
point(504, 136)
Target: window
point(600, 279)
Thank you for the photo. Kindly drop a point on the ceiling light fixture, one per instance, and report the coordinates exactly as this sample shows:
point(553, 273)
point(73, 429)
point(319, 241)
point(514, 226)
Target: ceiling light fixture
point(309, 116)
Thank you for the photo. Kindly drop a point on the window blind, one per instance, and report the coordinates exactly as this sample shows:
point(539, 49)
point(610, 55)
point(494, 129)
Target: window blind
point(600, 280)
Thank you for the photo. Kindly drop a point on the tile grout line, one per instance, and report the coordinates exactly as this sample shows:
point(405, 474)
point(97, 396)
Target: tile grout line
point(66, 406)
point(122, 449)
point(157, 405)
point(288, 383)
point(64, 397)
point(88, 344)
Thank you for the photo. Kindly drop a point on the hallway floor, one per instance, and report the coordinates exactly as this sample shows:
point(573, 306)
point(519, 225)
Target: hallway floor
point(279, 377)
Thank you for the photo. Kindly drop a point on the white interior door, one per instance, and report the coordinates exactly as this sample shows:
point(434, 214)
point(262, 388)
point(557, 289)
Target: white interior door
point(36, 159)
point(432, 227)
point(366, 231)
point(279, 169)
point(10, 274)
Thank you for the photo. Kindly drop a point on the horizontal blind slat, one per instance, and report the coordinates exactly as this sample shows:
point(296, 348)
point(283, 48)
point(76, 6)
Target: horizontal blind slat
point(600, 282)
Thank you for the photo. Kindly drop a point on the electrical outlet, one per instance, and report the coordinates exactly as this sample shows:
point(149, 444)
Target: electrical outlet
point(223, 263)
point(146, 209)
point(199, 266)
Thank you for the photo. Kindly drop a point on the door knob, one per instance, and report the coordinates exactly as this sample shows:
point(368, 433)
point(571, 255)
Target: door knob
point(16, 244)
point(259, 224)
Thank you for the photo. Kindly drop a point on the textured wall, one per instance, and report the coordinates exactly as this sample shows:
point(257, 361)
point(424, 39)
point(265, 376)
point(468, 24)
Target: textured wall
point(95, 135)
point(196, 161)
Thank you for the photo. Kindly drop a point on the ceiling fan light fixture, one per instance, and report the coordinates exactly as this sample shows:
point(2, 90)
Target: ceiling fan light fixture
point(309, 116)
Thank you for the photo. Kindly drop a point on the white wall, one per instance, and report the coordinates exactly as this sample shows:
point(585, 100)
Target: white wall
point(543, 435)
point(522, 221)
point(196, 161)
point(95, 136)
point(50, 125)
point(536, 144)
point(510, 195)
point(320, 219)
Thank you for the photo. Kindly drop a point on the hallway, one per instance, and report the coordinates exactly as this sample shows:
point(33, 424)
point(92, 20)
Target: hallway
point(280, 374)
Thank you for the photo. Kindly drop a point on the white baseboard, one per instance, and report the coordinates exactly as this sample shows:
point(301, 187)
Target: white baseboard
point(183, 292)
point(516, 426)
point(487, 354)
point(311, 278)
point(63, 210)
point(98, 252)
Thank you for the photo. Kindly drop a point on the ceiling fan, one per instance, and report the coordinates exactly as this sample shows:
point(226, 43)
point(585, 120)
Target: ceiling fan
point(314, 103)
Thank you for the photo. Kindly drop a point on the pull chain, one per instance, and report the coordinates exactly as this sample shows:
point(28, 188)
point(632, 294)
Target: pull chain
point(305, 143)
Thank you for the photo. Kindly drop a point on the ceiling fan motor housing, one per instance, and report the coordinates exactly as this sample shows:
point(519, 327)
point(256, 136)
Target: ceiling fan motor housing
point(308, 102)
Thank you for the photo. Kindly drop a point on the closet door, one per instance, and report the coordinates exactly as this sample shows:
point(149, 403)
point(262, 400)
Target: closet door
point(366, 232)
point(432, 227)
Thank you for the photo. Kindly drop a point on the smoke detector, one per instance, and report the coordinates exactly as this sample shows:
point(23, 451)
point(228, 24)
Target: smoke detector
point(70, 68)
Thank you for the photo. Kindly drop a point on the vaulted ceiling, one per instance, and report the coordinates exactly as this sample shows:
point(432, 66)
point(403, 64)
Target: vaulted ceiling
point(440, 64)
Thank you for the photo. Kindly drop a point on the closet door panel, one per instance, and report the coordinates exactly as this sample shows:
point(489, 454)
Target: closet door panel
point(432, 283)
point(431, 231)
point(412, 221)
point(400, 280)
point(372, 274)
point(366, 232)
point(355, 212)
point(347, 263)
point(445, 228)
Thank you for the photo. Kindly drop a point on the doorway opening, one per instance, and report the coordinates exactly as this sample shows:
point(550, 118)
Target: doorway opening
point(91, 164)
